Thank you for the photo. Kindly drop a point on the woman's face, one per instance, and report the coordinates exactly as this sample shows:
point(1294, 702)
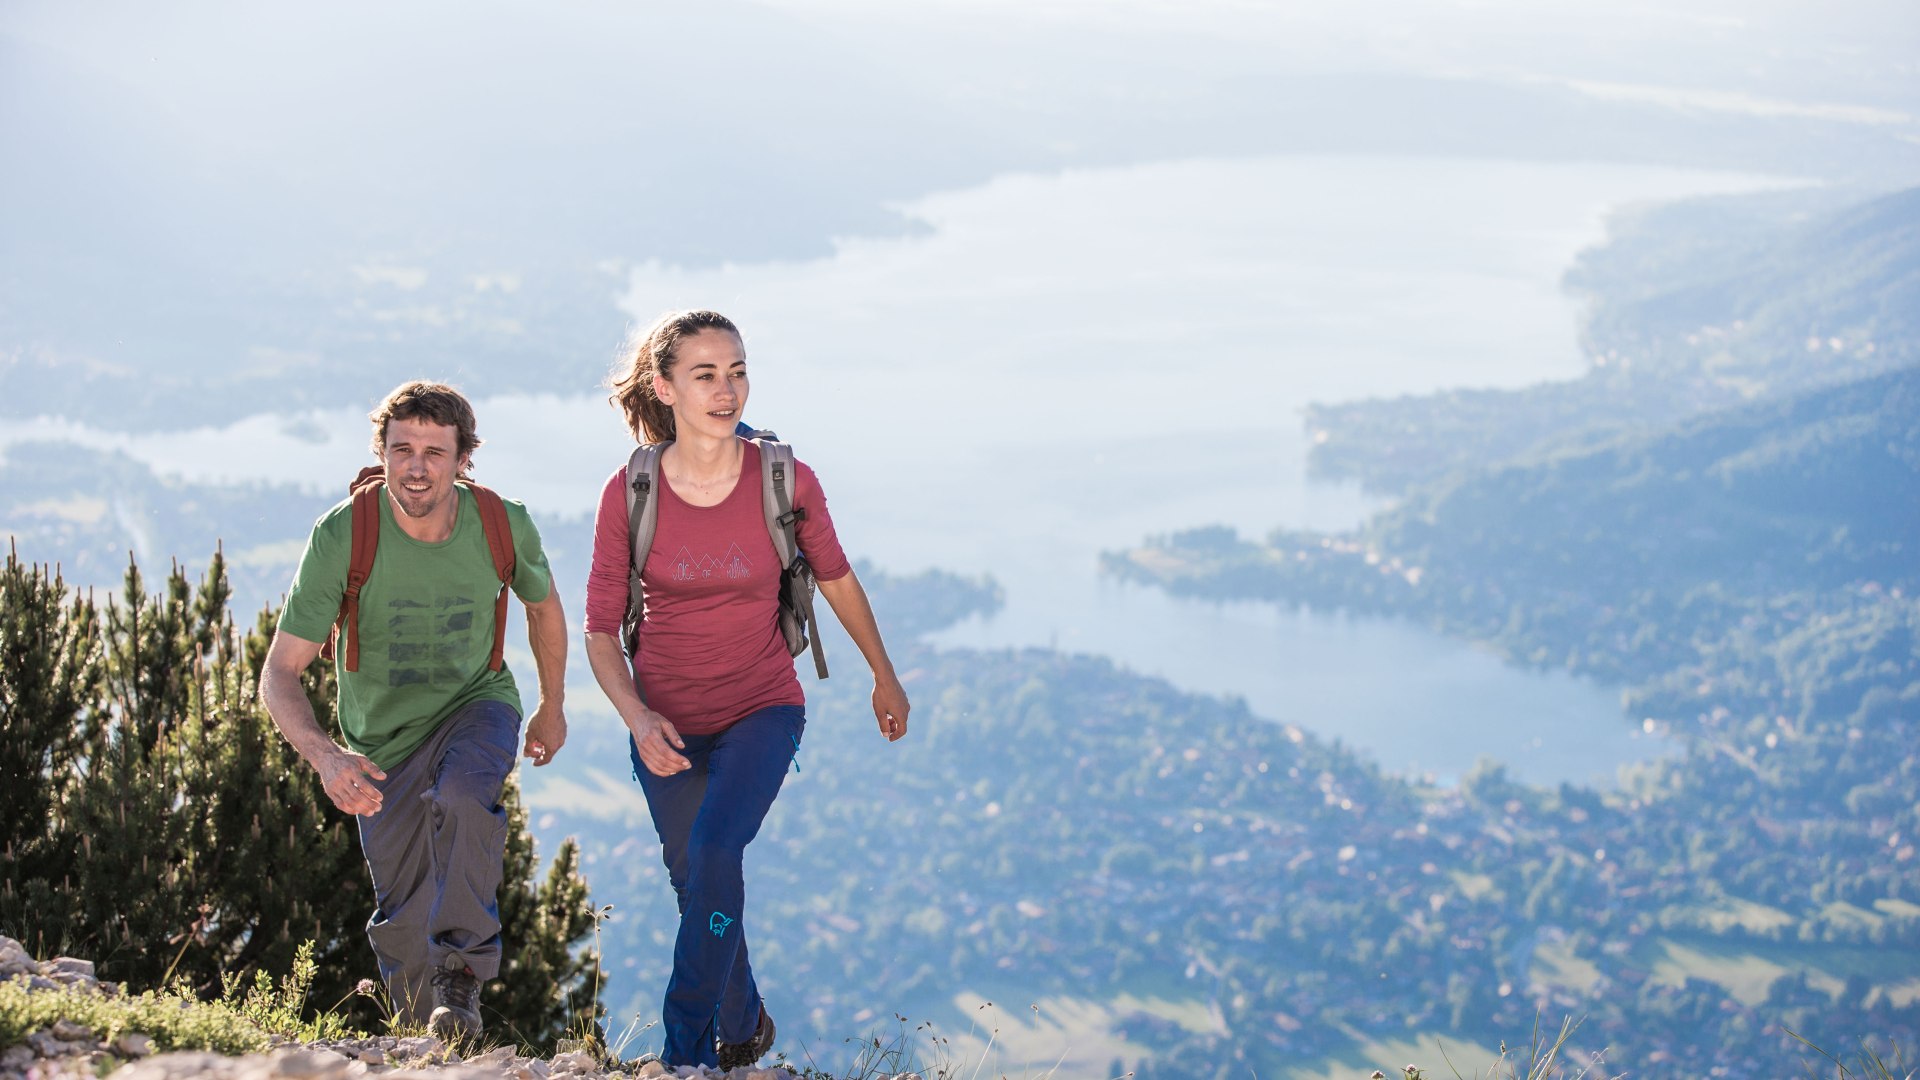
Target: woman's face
point(707, 388)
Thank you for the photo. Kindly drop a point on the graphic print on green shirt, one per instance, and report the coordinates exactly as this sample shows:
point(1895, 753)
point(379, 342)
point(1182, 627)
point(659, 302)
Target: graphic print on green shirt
point(427, 615)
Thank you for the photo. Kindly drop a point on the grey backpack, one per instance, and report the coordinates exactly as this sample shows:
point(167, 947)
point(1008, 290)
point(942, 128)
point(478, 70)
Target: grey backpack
point(797, 623)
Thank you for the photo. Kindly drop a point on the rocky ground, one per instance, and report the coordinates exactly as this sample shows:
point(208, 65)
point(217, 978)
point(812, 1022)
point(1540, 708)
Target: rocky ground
point(69, 1048)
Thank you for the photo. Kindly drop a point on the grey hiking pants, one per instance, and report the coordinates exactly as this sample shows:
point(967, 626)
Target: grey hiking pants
point(436, 849)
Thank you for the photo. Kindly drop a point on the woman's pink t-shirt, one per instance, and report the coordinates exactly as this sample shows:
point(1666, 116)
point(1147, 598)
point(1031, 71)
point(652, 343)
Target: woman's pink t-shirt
point(710, 649)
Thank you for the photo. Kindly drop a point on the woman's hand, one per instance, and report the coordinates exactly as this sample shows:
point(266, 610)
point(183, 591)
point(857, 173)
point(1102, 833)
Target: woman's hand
point(657, 740)
point(890, 706)
point(849, 600)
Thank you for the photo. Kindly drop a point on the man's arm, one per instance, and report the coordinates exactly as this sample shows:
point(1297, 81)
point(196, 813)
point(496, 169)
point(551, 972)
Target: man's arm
point(342, 772)
point(850, 604)
point(547, 634)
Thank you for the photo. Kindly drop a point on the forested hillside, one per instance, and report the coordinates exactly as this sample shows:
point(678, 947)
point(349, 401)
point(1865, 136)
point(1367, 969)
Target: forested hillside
point(1195, 884)
point(1747, 575)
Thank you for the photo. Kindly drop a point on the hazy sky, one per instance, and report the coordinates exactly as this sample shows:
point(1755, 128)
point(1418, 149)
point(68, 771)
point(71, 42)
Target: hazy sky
point(194, 183)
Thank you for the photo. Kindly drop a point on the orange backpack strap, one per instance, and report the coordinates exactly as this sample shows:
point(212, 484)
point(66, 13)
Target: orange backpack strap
point(366, 544)
point(493, 518)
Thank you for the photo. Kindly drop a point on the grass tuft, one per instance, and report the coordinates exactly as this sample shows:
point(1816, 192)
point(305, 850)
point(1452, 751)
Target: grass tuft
point(1871, 1065)
point(173, 1020)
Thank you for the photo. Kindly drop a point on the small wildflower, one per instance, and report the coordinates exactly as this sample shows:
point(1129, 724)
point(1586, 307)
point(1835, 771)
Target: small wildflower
point(365, 987)
point(1377, 1075)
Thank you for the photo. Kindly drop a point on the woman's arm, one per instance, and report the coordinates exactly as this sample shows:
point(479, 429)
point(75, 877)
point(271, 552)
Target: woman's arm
point(652, 733)
point(850, 605)
point(606, 601)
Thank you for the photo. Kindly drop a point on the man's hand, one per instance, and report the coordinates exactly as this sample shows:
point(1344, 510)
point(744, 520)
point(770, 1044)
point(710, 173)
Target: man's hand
point(547, 634)
point(890, 706)
point(348, 779)
point(657, 741)
point(546, 733)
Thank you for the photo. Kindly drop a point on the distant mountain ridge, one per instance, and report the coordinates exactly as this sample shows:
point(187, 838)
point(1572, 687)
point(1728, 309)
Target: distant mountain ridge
point(1851, 275)
point(1699, 306)
point(1813, 491)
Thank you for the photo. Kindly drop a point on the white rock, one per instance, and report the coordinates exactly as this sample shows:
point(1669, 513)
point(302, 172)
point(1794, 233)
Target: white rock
point(417, 1046)
point(315, 1064)
point(14, 959)
point(575, 1061)
point(176, 1065)
point(649, 1069)
point(67, 965)
point(132, 1044)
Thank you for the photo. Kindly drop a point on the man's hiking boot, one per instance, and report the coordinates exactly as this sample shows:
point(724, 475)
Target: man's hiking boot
point(456, 1002)
point(734, 1055)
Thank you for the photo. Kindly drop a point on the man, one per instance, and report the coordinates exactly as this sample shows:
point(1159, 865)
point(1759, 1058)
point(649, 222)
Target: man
point(430, 724)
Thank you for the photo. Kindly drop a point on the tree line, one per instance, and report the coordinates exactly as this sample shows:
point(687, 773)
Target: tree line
point(155, 822)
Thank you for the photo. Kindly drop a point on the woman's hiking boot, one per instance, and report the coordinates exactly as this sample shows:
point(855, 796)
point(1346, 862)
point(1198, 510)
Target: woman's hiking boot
point(734, 1055)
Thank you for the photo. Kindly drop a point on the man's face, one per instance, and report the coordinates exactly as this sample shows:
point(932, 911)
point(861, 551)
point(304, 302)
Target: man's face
point(422, 458)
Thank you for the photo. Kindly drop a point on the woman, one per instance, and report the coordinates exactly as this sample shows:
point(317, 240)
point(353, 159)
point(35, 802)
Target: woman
point(711, 700)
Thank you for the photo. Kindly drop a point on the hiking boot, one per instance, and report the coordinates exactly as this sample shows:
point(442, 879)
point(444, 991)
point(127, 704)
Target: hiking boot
point(734, 1055)
point(456, 1002)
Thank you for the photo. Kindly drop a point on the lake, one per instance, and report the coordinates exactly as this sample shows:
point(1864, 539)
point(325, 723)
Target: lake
point(1057, 365)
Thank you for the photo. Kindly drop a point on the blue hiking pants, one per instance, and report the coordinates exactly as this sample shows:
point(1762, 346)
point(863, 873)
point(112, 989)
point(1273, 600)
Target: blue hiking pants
point(706, 816)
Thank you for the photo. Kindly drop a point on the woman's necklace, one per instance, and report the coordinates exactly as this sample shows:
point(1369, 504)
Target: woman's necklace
point(687, 481)
point(682, 477)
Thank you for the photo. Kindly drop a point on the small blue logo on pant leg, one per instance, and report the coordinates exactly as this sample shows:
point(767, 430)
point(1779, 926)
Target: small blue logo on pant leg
point(718, 924)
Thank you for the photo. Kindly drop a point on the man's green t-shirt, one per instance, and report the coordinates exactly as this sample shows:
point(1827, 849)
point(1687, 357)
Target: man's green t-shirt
point(426, 613)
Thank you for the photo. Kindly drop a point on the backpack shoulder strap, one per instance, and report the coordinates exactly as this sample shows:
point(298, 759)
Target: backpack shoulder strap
point(643, 516)
point(777, 484)
point(366, 489)
point(493, 520)
point(776, 498)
